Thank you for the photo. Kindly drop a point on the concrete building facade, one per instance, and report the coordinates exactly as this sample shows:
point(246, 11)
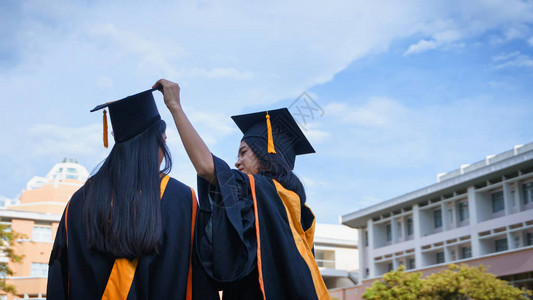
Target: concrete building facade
point(336, 255)
point(481, 213)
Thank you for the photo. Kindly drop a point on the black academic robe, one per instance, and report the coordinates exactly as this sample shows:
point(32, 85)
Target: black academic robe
point(254, 240)
point(77, 272)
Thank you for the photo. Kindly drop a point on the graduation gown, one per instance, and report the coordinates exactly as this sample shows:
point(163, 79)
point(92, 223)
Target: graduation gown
point(254, 240)
point(77, 272)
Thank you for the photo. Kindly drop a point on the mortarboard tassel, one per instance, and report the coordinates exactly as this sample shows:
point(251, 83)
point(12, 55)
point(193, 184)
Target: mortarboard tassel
point(271, 148)
point(105, 129)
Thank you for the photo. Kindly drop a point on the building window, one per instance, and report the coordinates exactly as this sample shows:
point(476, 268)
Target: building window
point(39, 270)
point(388, 228)
point(411, 263)
point(466, 252)
point(437, 218)
point(529, 238)
point(409, 226)
point(500, 245)
point(6, 225)
point(42, 233)
point(497, 201)
point(439, 257)
point(325, 258)
point(399, 228)
point(516, 239)
point(390, 267)
point(450, 216)
point(527, 192)
point(366, 238)
point(463, 211)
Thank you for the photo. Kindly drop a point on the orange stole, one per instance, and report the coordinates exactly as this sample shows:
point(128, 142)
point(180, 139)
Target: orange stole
point(303, 240)
point(121, 277)
point(189, 276)
point(256, 222)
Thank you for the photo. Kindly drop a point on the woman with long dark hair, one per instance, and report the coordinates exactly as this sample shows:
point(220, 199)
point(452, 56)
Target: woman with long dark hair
point(126, 234)
point(254, 233)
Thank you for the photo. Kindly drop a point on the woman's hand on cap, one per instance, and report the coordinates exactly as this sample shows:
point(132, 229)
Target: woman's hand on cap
point(171, 93)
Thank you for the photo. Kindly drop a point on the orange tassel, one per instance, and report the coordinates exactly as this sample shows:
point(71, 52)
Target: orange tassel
point(105, 129)
point(271, 148)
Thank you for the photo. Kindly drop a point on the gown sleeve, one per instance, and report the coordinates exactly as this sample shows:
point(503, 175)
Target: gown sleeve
point(226, 243)
point(57, 285)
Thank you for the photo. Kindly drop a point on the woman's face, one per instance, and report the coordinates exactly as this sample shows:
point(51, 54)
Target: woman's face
point(161, 155)
point(247, 161)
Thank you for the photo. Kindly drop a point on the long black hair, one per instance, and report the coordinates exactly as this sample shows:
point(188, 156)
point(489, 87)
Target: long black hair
point(122, 209)
point(275, 166)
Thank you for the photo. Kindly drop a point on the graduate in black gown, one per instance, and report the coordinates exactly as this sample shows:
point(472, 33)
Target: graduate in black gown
point(126, 234)
point(254, 233)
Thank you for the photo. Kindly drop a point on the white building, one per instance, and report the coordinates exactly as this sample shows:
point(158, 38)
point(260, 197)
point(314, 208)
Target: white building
point(336, 254)
point(481, 213)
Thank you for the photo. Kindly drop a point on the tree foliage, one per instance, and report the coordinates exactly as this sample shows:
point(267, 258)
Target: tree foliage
point(456, 282)
point(7, 238)
point(396, 285)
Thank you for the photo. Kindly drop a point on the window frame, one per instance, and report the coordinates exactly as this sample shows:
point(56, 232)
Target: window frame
point(409, 226)
point(439, 257)
point(38, 269)
point(498, 204)
point(464, 214)
point(466, 250)
point(527, 192)
point(38, 236)
point(437, 222)
point(501, 245)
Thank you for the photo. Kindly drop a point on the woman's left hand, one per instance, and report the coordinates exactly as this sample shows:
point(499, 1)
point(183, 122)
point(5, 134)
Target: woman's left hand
point(171, 93)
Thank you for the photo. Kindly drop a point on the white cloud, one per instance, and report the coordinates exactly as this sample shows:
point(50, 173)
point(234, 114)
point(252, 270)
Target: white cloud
point(217, 73)
point(212, 127)
point(515, 31)
point(52, 139)
point(506, 56)
point(388, 133)
point(421, 46)
point(530, 41)
point(311, 183)
point(314, 130)
point(376, 112)
point(513, 60)
point(445, 37)
point(155, 51)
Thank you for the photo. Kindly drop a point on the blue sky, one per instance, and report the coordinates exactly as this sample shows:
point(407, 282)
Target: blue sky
point(409, 88)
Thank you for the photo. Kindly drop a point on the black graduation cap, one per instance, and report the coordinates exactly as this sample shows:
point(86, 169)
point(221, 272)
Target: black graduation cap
point(130, 116)
point(279, 129)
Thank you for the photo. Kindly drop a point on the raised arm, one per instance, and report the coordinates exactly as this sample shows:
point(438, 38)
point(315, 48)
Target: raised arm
point(195, 147)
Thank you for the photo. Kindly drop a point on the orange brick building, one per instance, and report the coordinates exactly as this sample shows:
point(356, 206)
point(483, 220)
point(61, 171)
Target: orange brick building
point(36, 217)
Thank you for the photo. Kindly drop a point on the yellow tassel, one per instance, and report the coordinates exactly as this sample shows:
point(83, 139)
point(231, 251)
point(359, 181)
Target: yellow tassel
point(271, 148)
point(105, 129)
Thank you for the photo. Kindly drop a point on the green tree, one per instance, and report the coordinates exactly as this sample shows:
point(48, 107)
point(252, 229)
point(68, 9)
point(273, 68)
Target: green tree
point(396, 285)
point(7, 238)
point(465, 282)
point(456, 282)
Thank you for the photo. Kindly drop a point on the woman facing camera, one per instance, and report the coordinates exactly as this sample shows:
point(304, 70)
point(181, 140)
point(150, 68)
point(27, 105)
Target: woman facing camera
point(126, 234)
point(254, 233)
